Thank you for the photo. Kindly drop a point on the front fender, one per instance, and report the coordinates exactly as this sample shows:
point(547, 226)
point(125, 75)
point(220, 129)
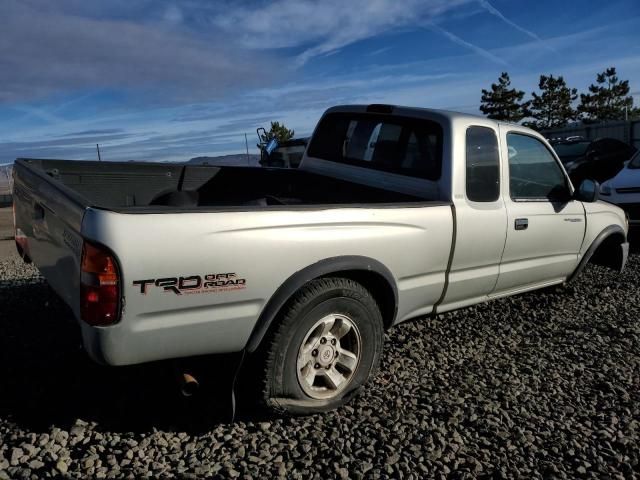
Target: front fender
point(614, 240)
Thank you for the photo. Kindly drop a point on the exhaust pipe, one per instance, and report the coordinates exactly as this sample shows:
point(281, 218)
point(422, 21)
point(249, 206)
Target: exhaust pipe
point(188, 384)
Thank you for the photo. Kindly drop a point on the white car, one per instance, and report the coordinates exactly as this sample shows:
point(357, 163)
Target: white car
point(624, 190)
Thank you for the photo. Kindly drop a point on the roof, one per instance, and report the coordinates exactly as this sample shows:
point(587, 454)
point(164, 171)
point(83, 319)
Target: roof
point(417, 112)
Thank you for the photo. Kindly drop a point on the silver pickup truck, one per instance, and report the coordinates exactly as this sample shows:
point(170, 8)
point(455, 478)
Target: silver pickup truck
point(395, 213)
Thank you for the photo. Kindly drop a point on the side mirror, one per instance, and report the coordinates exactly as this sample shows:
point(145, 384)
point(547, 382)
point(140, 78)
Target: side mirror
point(588, 191)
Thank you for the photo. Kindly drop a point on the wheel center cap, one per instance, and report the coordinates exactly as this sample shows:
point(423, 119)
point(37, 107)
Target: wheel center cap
point(325, 355)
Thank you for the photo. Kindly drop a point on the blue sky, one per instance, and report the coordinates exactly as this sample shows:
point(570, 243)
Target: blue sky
point(169, 80)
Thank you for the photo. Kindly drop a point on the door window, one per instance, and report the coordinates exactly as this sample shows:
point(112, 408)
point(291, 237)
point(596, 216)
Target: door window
point(534, 173)
point(483, 165)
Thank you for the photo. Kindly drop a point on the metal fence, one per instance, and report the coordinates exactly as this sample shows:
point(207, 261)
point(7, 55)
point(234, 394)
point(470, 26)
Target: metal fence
point(628, 132)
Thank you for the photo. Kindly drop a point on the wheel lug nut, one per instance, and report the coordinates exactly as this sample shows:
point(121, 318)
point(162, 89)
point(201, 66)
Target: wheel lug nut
point(317, 365)
point(323, 340)
point(337, 353)
point(314, 353)
point(333, 341)
point(328, 367)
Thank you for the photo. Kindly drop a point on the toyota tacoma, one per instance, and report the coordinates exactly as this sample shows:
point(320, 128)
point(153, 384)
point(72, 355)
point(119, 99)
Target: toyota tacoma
point(394, 213)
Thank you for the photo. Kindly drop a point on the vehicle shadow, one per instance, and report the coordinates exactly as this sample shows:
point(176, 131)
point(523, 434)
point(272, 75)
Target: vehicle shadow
point(46, 378)
point(634, 240)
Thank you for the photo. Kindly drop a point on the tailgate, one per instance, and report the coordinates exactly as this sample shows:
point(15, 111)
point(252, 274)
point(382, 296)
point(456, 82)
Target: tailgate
point(48, 218)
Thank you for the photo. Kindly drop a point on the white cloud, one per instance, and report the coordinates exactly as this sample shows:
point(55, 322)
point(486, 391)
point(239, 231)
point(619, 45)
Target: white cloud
point(495, 12)
point(379, 51)
point(173, 14)
point(46, 50)
point(463, 43)
point(324, 27)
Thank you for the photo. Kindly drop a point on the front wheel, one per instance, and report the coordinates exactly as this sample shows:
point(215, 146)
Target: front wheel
point(327, 343)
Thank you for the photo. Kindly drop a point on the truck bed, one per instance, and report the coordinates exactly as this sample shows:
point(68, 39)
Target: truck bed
point(264, 225)
point(153, 187)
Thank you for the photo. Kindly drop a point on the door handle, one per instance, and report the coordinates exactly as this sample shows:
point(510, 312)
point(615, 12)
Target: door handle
point(521, 223)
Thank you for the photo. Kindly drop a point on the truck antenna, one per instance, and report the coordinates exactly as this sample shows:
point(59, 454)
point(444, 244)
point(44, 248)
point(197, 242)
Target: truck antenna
point(98, 149)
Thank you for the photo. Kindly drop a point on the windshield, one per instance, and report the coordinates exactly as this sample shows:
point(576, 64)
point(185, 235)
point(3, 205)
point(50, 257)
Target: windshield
point(568, 151)
point(635, 161)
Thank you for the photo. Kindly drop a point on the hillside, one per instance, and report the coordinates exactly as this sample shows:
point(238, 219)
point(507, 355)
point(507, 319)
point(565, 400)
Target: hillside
point(235, 160)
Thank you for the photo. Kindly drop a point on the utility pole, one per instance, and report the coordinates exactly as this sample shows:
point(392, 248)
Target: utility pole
point(246, 143)
point(98, 148)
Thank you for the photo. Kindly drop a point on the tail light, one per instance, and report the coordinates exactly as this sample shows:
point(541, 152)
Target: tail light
point(99, 286)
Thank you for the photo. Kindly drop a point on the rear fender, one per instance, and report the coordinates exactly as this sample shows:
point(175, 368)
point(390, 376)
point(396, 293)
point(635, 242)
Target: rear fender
point(329, 266)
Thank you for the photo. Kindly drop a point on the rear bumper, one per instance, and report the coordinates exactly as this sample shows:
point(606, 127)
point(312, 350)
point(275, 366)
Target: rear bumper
point(93, 345)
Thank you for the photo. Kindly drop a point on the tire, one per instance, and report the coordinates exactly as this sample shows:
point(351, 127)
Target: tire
point(306, 355)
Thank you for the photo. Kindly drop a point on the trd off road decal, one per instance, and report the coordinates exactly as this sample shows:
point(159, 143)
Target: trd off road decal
point(193, 284)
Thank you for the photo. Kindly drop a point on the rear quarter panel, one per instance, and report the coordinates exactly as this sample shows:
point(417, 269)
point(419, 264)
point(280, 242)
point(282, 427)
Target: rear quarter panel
point(264, 249)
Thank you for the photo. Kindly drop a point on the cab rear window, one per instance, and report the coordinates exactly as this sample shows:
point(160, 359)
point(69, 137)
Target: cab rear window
point(405, 146)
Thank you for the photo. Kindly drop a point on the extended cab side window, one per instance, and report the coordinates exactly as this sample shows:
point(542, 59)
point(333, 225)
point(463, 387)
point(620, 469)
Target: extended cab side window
point(483, 165)
point(395, 144)
point(534, 173)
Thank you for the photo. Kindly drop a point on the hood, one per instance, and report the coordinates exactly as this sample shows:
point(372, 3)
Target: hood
point(626, 178)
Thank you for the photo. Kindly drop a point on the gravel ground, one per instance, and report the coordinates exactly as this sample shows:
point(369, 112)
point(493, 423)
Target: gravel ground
point(7, 249)
point(540, 385)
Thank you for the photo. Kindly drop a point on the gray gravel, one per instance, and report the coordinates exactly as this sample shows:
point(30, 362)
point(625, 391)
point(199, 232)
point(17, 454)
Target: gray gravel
point(541, 385)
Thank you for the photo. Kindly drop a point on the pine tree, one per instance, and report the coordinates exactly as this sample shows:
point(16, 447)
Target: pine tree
point(552, 107)
point(608, 99)
point(279, 132)
point(502, 102)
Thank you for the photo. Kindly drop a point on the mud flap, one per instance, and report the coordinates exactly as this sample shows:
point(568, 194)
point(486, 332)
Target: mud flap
point(217, 375)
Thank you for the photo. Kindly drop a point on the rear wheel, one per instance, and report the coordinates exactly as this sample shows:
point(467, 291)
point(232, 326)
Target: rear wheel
point(326, 344)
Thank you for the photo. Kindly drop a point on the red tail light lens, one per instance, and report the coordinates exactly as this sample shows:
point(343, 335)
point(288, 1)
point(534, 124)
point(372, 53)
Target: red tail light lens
point(99, 287)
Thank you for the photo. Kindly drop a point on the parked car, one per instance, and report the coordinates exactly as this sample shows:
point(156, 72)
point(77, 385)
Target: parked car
point(598, 160)
point(624, 190)
point(394, 213)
